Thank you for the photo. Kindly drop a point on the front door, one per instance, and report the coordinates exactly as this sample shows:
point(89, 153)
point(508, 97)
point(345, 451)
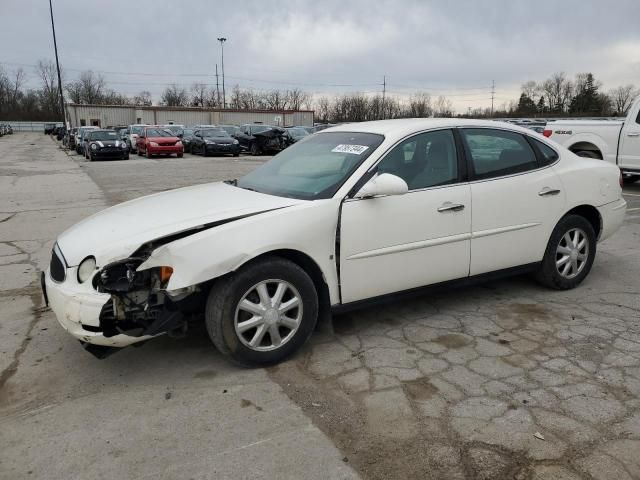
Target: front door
point(630, 145)
point(394, 243)
point(517, 198)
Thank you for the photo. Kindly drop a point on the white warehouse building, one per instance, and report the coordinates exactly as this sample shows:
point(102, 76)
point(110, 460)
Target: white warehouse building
point(121, 115)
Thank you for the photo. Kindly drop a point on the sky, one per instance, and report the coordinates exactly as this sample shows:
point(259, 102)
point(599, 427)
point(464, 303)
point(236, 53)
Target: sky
point(455, 48)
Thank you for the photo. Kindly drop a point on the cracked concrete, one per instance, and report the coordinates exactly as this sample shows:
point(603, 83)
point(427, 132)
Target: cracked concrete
point(455, 384)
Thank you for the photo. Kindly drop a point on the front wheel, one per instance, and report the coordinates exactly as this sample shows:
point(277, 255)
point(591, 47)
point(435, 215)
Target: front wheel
point(148, 153)
point(254, 149)
point(263, 313)
point(180, 155)
point(569, 254)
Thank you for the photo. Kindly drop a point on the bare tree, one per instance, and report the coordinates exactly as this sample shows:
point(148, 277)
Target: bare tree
point(443, 107)
point(199, 94)
point(323, 108)
point(420, 105)
point(622, 97)
point(174, 96)
point(142, 98)
point(49, 93)
point(17, 81)
point(296, 98)
point(558, 90)
point(531, 89)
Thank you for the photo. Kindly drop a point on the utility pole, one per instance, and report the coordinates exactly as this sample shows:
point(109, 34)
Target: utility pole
point(493, 93)
point(224, 97)
point(55, 47)
point(217, 86)
point(384, 91)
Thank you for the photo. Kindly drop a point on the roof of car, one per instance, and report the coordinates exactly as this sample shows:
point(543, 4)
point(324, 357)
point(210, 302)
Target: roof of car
point(405, 126)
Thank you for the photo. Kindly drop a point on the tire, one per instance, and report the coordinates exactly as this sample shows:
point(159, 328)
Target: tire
point(204, 150)
point(147, 153)
point(89, 157)
point(236, 154)
point(254, 149)
point(125, 156)
point(222, 309)
point(629, 179)
point(588, 154)
point(139, 153)
point(548, 273)
point(180, 155)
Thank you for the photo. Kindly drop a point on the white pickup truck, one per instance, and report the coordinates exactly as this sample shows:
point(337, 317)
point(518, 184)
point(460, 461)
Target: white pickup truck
point(616, 141)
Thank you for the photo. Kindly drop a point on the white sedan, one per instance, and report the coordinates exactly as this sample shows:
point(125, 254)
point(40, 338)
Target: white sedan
point(343, 217)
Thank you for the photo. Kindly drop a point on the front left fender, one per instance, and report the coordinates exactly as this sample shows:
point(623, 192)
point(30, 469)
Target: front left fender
point(308, 228)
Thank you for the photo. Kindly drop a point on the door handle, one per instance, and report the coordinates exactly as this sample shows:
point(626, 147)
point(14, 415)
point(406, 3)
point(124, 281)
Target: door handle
point(546, 191)
point(450, 207)
point(633, 134)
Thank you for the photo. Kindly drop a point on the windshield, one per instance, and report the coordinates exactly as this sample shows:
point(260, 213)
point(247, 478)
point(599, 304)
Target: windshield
point(187, 132)
point(297, 132)
point(159, 132)
point(217, 132)
point(255, 129)
point(230, 129)
point(102, 135)
point(313, 168)
point(175, 129)
point(136, 130)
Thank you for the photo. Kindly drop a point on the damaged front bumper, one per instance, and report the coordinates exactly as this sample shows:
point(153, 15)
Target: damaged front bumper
point(78, 311)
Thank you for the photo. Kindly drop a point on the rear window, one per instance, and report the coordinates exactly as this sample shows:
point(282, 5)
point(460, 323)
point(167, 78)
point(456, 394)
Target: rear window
point(549, 155)
point(495, 153)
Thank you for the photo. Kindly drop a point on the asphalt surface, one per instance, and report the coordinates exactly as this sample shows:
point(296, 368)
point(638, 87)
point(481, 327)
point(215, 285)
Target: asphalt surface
point(501, 380)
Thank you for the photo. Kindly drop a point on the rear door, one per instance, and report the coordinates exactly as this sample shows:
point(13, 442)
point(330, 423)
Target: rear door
point(629, 156)
point(517, 199)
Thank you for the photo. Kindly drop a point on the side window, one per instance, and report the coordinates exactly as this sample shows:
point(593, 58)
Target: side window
point(549, 155)
point(424, 160)
point(495, 153)
point(638, 118)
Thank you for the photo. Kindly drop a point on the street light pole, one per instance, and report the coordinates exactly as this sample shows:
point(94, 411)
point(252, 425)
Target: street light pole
point(224, 97)
point(55, 47)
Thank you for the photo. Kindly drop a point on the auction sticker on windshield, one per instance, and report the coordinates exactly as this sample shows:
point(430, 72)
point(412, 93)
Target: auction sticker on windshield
point(355, 149)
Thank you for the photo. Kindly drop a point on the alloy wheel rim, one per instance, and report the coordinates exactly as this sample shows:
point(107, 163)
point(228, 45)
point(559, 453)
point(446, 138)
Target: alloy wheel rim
point(268, 315)
point(572, 253)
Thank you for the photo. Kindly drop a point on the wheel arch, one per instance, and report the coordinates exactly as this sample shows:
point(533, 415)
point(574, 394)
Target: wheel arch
point(311, 268)
point(591, 214)
point(586, 146)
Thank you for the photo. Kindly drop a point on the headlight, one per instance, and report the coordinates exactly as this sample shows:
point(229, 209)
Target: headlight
point(235, 142)
point(153, 144)
point(94, 146)
point(178, 143)
point(86, 269)
point(209, 142)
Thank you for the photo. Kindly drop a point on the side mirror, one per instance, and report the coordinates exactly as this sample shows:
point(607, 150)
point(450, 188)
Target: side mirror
point(383, 185)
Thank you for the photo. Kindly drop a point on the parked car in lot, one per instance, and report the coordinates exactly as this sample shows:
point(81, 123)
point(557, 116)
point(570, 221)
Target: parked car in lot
point(80, 138)
point(296, 133)
point(259, 139)
point(158, 141)
point(616, 141)
point(232, 130)
point(187, 136)
point(132, 136)
point(48, 128)
point(105, 144)
point(346, 216)
point(214, 141)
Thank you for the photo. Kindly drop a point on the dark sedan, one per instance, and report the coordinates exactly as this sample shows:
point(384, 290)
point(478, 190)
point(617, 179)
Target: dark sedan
point(214, 140)
point(105, 144)
point(187, 138)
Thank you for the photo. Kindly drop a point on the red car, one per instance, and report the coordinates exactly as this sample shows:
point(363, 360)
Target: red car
point(158, 141)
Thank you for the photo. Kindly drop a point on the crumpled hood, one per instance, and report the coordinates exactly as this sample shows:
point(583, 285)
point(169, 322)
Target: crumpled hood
point(271, 133)
point(116, 232)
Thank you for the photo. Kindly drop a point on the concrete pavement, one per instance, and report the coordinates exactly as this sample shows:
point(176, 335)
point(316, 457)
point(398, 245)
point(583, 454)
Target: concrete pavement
point(172, 409)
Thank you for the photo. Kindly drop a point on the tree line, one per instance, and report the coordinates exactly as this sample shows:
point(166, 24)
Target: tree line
point(557, 95)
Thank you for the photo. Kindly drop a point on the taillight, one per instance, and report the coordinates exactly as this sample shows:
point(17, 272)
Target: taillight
point(547, 133)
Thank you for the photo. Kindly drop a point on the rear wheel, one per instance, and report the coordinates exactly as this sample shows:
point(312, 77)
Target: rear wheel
point(569, 255)
point(254, 149)
point(262, 313)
